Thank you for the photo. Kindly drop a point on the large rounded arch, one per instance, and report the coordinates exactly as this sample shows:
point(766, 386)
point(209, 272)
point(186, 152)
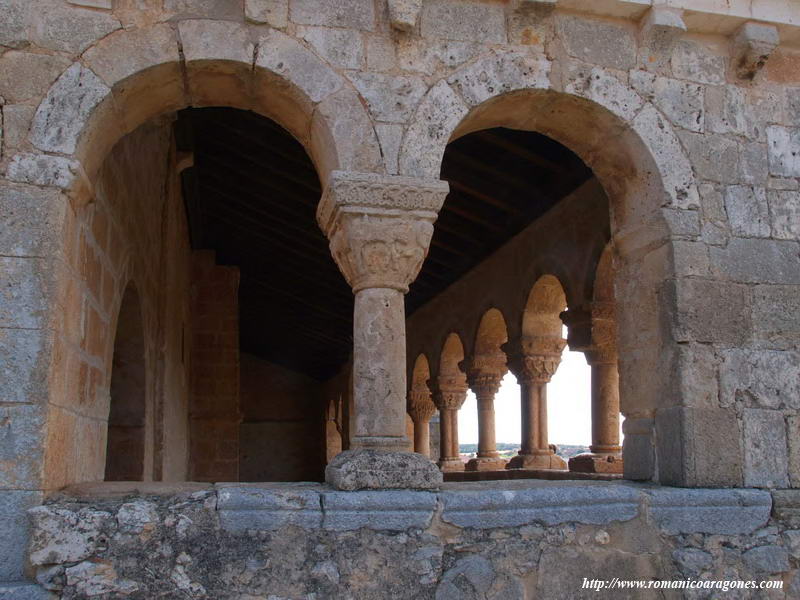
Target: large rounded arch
point(639, 161)
point(132, 76)
point(546, 301)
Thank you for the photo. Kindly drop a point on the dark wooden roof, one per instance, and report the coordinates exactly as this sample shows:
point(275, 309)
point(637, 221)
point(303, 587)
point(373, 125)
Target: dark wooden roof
point(252, 195)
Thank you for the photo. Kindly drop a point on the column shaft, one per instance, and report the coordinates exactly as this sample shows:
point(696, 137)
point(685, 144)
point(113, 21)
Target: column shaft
point(422, 437)
point(605, 408)
point(379, 377)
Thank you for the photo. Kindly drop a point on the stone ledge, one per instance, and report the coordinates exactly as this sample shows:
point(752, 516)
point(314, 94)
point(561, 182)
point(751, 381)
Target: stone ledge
point(719, 511)
point(551, 505)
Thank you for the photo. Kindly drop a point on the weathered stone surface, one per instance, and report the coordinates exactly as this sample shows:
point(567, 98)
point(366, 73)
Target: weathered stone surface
point(384, 510)
point(33, 218)
point(268, 509)
point(136, 517)
point(203, 8)
point(432, 56)
point(24, 592)
point(766, 462)
point(713, 157)
point(17, 120)
point(600, 43)
point(710, 311)
point(786, 506)
point(95, 579)
point(726, 110)
point(751, 47)
point(598, 85)
point(14, 25)
point(784, 210)
point(693, 61)
point(403, 14)
point(356, 14)
point(681, 102)
point(747, 210)
point(724, 512)
point(25, 76)
point(27, 293)
point(504, 508)
point(41, 169)
point(68, 28)
point(340, 47)
point(678, 177)
point(659, 29)
point(757, 261)
point(784, 157)
point(206, 39)
point(374, 469)
point(499, 73)
point(691, 561)
point(391, 98)
point(760, 378)
point(438, 114)
point(128, 52)
point(14, 522)
point(106, 4)
point(753, 163)
point(62, 115)
point(459, 20)
point(60, 535)
point(285, 56)
point(683, 222)
point(390, 136)
point(271, 12)
point(767, 559)
point(24, 359)
point(793, 435)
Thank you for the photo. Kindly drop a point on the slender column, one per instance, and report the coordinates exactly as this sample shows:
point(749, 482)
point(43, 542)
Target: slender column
point(379, 229)
point(484, 375)
point(605, 454)
point(449, 397)
point(421, 408)
point(534, 361)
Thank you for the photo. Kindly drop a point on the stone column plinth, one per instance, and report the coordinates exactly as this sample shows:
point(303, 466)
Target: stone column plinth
point(449, 396)
point(606, 452)
point(485, 375)
point(421, 408)
point(534, 361)
point(379, 229)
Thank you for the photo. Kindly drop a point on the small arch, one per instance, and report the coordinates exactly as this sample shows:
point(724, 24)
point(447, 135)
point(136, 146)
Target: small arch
point(492, 333)
point(604, 276)
point(451, 356)
point(127, 418)
point(421, 372)
point(546, 301)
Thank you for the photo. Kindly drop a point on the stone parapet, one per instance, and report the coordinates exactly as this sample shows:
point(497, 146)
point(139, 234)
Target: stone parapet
point(230, 540)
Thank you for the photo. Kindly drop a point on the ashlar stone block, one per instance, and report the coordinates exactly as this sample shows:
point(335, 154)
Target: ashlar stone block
point(784, 208)
point(391, 98)
point(14, 24)
point(598, 42)
point(776, 316)
point(693, 61)
point(748, 212)
point(468, 21)
point(760, 378)
point(271, 12)
point(25, 76)
point(70, 29)
point(766, 461)
point(783, 144)
point(340, 47)
point(753, 260)
point(62, 115)
point(353, 14)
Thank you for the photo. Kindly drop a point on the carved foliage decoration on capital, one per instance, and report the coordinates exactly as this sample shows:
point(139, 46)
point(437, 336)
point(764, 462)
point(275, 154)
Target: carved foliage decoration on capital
point(420, 403)
point(380, 227)
point(485, 373)
point(451, 392)
point(536, 359)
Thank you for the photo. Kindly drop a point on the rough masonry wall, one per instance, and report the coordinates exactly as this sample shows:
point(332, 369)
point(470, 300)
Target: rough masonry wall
point(472, 542)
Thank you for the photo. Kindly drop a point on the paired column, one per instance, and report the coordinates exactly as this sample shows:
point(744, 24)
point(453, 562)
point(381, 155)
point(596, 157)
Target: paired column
point(534, 361)
point(379, 229)
point(449, 397)
point(606, 452)
point(421, 408)
point(485, 375)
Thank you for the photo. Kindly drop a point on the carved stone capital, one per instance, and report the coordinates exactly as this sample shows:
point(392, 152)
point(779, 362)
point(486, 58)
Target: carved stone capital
point(450, 392)
point(485, 373)
point(420, 404)
point(604, 334)
point(535, 359)
point(579, 328)
point(379, 226)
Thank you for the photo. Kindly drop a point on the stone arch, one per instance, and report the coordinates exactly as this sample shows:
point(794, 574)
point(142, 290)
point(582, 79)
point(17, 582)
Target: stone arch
point(546, 301)
point(639, 161)
point(421, 372)
point(604, 276)
point(127, 448)
point(492, 333)
point(132, 76)
point(451, 357)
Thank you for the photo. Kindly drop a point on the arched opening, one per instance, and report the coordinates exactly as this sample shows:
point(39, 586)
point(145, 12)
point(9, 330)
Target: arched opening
point(450, 391)
point(421, 408)
point(127, 417)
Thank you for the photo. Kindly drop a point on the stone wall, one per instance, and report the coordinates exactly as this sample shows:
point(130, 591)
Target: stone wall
point(283, 428)
point(512, 541)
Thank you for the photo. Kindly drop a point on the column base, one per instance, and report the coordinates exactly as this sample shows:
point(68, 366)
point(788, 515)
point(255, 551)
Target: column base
point(486, 463)
point(451, 464)
point(591, 462)
point(365, 469)
point(537, 461)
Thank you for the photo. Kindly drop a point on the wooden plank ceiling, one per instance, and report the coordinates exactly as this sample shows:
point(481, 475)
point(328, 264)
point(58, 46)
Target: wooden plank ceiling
point(252, 195)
